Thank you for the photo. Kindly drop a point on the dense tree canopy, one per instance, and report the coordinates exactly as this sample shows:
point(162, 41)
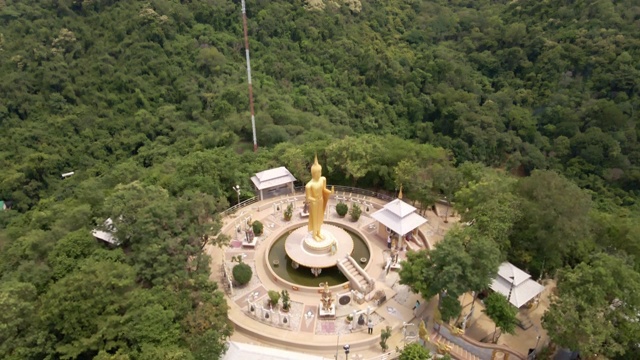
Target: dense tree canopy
point(147, 103)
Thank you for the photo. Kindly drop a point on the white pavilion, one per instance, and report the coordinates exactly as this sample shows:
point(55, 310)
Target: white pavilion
point(515, 284)
point(399, 217)
point(273, 182)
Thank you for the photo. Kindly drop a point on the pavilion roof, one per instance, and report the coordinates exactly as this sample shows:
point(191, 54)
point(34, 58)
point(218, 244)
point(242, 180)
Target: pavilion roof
point(399, 216)
point(272, 178)
point(524, 288)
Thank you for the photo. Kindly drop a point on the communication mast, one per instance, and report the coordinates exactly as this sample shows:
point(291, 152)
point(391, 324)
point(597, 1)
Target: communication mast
point(246, 50)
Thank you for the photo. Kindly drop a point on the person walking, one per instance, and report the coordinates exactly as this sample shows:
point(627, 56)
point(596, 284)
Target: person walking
point(389, 242)
point(417, 305)
point(370, 325)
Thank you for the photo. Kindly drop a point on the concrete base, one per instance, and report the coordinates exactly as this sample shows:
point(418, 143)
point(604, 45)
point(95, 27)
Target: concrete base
point(327, 314)
point(303, 249)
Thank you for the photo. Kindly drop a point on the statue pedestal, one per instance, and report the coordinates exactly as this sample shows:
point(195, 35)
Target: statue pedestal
point(327, 314)
point(323, 246)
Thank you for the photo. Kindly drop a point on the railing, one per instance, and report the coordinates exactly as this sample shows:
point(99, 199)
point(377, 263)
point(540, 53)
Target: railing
point(355, 191)
point(300, 190)
point(239, 206)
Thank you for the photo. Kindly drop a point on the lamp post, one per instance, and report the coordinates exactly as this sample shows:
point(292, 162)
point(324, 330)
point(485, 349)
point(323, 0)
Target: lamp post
point(346, 351)
point(237, 189)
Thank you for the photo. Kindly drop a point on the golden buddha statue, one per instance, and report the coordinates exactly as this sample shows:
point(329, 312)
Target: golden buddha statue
point(317, 196)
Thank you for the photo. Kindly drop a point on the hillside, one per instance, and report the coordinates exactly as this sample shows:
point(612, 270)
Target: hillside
point(147, 102)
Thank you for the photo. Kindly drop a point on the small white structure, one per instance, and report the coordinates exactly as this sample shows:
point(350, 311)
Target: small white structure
point(66, 175)
point(515, 284)
point(273, 182)
point(398, 216)
point(237, 351)
point(107, 236)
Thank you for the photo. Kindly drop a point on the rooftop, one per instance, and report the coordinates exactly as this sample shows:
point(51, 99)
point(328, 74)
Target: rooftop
point(272, 178)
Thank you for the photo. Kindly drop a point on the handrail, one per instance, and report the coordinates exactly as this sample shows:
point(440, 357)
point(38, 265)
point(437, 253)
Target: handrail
point(237, 207)
point(300, 190)
point(488, 346)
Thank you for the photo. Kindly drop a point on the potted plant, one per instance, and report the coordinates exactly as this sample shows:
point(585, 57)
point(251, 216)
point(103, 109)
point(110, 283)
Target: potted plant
point(342, 209)
point(355, 212)
point(274, 298)
point(258, 227)
point(288, 213)
point(384, 336)
point(349, 318)
point(286, 301)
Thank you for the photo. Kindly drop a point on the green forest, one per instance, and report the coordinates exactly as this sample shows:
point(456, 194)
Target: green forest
point(522, 113)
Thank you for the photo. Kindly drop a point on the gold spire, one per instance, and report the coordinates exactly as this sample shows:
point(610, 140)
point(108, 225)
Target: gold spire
point(316, 165)
point(400, 193)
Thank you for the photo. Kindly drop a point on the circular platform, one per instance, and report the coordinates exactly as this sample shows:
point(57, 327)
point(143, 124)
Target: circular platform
point(306, 251)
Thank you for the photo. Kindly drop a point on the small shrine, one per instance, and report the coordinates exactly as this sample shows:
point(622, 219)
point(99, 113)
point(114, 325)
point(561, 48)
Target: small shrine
point(328, 307)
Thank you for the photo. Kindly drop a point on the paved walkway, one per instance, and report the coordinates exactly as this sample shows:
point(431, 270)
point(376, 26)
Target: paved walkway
point(303, 332)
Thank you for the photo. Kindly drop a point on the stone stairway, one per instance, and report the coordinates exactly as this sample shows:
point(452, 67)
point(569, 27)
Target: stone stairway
point(456, 351)
point(355, 275)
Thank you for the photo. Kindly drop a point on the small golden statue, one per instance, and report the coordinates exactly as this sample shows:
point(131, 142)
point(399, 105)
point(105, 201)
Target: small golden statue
point(317, 196)
point(327, 298)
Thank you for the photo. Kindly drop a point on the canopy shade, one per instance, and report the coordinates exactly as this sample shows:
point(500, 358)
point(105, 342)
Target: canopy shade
point(238, 350)
point(399, 217)
point(524, 288)
point(272, 178)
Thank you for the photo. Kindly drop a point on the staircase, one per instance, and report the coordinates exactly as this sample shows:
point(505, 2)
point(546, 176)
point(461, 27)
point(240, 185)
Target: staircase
point(358, 278)
point(524, 321)
point(456, 351)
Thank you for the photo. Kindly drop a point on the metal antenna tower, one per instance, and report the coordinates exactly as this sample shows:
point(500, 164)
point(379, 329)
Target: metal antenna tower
point(246, 51)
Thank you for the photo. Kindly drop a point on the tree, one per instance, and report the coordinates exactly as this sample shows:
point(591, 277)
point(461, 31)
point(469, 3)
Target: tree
point(502, 313)
point(464, 261)
point(554, 227)
point(491, 205)
point(415, 351)
point(21, 333)
point(446, 181)
point(596, 307)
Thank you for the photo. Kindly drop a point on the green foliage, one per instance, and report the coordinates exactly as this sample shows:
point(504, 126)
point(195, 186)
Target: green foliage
point(288, 212)
point(355, 212)
point(415, 351)
point(342, 209)
point(449, 307)
point(554, 227)
point(257, 227)
point(274, 297)
point(286, 300)
point(147, 103)
point(385, 334)
point(464, 261)
point(501, 312)
point(595, 311)
point(242, 273)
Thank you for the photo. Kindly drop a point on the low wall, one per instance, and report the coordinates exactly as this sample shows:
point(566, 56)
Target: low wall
point(507, 350)
point(301, 288)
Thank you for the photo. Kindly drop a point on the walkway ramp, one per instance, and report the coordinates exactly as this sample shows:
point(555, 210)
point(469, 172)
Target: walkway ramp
point(358, 278)
point(456, 352)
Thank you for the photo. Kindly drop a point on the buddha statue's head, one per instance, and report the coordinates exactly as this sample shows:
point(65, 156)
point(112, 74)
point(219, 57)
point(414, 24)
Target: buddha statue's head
point(316, 169)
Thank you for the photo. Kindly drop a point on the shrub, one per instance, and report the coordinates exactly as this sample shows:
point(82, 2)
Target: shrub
point(257, 227)
point(355, 212)
point(288, 213)
point(274, 297)
point(286, 300)
point(242, 273)
point(342, 209)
